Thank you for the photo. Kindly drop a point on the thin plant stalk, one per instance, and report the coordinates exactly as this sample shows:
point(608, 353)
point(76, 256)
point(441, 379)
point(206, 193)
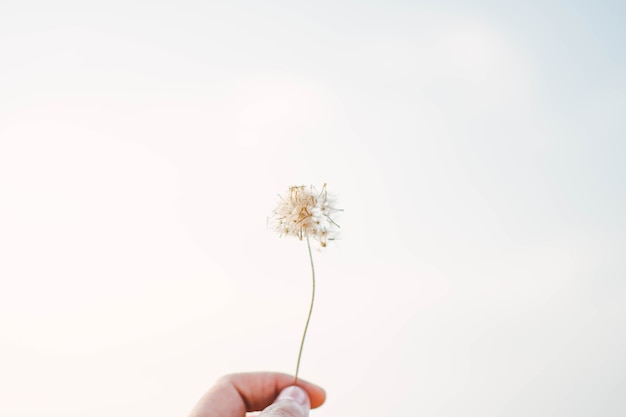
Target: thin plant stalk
point(308, 319)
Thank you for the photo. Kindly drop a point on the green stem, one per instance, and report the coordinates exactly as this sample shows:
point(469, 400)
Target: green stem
point(308, 319)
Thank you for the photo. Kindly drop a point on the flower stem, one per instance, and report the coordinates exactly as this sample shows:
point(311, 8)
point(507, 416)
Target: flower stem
point(308, 319)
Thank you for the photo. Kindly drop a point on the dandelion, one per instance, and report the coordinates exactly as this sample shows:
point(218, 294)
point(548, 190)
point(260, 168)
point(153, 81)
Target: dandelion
point(306, 213)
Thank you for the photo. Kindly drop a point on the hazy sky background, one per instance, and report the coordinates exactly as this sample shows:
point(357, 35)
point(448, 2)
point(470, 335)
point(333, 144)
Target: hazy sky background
point(477, 149)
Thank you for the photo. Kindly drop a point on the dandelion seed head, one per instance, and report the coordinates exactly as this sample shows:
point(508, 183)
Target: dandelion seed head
point(305, 212)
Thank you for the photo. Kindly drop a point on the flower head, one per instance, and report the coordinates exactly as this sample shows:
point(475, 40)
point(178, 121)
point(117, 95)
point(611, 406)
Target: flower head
point(306, 213)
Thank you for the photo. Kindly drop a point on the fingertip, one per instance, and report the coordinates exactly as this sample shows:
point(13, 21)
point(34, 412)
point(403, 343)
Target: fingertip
point(297, 394)
point(317, 394)
point(319, 399)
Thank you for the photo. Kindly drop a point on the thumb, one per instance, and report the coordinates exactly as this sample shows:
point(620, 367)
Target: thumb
point(292, 401)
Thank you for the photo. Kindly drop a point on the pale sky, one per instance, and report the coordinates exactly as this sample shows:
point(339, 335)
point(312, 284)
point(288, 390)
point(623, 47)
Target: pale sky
point(476, 150)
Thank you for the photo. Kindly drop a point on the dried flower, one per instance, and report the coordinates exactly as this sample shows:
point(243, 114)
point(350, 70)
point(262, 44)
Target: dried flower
point(306, 213)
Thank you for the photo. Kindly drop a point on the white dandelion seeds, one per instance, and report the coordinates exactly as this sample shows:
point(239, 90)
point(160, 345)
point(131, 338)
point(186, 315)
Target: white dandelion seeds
point(305, 213)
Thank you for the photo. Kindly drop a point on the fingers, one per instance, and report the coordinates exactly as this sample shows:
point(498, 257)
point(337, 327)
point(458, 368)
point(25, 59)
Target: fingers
point(293, 401)
point(235, 394)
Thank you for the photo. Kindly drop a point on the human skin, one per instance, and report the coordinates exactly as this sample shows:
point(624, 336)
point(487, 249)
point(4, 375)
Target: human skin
point(234, 395)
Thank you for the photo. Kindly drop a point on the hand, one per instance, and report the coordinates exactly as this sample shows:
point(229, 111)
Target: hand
point(273, 393)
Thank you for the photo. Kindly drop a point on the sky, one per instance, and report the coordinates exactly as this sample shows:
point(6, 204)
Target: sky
point(476, 150)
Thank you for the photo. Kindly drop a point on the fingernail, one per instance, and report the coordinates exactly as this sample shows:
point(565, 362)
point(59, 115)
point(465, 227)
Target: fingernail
point(295, 393)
